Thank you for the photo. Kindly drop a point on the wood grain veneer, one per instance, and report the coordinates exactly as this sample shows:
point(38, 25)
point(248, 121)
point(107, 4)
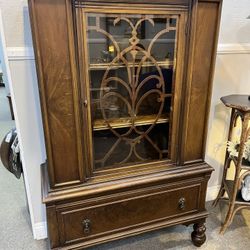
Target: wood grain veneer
point(86, 206)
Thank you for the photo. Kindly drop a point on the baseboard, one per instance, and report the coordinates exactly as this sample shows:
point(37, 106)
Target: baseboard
point(233, 48)
point(40, 231)
point(212, 192)
point(20, 53)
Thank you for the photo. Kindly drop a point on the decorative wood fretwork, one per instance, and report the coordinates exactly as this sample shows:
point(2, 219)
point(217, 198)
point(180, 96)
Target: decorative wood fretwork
point(122, 96)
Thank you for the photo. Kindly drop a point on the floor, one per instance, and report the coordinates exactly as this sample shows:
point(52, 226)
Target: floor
point(15, 228)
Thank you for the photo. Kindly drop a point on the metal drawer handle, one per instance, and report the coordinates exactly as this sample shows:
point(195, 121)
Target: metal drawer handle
point(181, 203)
point(86, 226)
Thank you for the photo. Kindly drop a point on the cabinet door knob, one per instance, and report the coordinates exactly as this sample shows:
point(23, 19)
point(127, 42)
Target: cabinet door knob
point(86, 226)
point(181, 203)
point(85, 103)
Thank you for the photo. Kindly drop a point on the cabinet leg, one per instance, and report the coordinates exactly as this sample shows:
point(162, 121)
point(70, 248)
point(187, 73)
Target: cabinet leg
point(198, 235)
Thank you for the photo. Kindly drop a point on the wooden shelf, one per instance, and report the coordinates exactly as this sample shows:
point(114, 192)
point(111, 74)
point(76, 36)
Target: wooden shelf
point(243, 163)
point(104, 66)
point(125, 122)
point(228, 184)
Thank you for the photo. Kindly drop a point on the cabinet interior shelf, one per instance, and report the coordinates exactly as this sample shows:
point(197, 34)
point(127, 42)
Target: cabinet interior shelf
point(104, 66)
point(125, 122)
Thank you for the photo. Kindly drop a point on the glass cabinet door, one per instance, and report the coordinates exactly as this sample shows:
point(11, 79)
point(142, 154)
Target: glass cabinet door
point(130, 72)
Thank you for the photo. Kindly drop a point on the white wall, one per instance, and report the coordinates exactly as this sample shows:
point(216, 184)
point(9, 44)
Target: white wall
point(234, 25)
point(26, 105)
point(25, 92)
point(232, 76)
point(16, 23)
point(3, 67)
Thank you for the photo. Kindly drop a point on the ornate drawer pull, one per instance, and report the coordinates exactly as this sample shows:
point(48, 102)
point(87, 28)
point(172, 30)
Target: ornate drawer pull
point(86, 226)
point(181, 203)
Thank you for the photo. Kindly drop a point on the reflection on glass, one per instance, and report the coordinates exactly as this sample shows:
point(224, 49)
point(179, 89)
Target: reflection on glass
point(130, 60)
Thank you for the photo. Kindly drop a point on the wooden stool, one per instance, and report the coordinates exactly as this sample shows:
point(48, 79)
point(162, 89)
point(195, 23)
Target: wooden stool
point(240, 105)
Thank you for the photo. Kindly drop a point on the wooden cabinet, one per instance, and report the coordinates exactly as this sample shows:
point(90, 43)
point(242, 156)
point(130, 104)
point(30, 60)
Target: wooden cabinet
point(125, 91)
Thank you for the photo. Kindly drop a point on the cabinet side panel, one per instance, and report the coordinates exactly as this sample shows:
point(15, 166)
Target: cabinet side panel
point(57, 83)
point(52, 226)
point(208, 13)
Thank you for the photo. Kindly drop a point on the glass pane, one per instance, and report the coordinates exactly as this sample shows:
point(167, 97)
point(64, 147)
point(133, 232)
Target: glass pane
point(131, 71)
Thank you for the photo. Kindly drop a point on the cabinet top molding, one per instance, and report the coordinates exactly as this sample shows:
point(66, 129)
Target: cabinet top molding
point(171, 2)
point(168, 2)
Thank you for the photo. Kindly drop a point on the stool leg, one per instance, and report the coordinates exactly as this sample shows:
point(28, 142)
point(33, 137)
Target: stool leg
point(220, 194)
point(222, 188)
point(227, 160)
point(228, 220)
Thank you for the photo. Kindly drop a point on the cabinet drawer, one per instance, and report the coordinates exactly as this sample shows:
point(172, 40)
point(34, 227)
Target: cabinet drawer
point(88, 222)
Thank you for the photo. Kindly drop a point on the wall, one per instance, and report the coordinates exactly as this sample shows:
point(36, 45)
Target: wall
point(26, 105)
point(232, 76)
point(16, 23)
point(3, 68)
point(234, 25)
point(25, 92)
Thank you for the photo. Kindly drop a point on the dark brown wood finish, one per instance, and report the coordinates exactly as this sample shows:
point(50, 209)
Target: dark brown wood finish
point(52, 225)
point(199, 77)
point(58, 89)
point(86, 206)
point(115, 216)
point(198, 235)
point(171, 199)
point(84, 78)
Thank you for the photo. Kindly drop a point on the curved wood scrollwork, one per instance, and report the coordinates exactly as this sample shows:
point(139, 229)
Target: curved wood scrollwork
point(134, 86)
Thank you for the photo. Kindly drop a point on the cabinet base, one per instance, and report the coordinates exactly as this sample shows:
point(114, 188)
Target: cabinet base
point(82, 245)
point(92, 218)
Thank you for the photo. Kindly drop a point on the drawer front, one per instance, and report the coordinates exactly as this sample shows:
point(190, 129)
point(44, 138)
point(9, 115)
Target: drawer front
point(85, 222)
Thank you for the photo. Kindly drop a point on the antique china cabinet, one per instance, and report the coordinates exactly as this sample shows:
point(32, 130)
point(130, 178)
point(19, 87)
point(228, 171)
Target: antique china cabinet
point(125, 92)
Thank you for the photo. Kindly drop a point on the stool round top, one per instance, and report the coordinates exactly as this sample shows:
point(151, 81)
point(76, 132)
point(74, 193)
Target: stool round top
point(240, 102)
